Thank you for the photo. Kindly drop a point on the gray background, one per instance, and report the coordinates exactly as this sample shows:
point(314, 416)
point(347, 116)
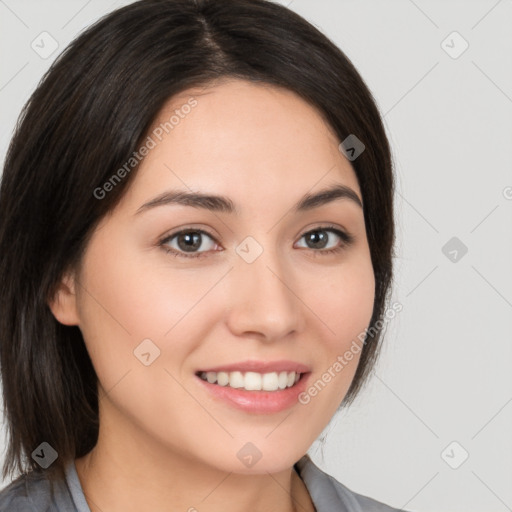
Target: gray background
point(444, 375)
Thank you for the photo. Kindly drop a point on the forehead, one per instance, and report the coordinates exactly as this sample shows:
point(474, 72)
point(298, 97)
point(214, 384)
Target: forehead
point(248, 112)
point(241, 139)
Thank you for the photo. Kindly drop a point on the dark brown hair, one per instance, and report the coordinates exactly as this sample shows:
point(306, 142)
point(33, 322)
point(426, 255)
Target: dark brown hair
point(88, 115)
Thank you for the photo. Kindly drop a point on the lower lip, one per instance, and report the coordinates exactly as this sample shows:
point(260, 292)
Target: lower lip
point(259, 402)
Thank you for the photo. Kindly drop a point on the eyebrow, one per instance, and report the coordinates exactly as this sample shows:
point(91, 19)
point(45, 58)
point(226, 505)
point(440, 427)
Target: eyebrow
point(218, 203)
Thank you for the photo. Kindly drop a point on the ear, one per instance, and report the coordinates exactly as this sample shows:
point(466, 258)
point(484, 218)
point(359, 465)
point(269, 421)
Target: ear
point(63, 304)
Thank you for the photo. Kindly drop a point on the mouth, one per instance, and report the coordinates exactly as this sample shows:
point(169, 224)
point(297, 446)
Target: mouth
point(253, 392)
point(253, 381)
point(256, 387)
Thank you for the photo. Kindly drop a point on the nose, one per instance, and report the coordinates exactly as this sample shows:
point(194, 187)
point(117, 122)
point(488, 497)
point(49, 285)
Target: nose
point(263, 299)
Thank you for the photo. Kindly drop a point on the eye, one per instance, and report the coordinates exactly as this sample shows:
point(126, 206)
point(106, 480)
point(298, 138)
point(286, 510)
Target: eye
point(319, 240)
point(184, 244)
point(188, 241)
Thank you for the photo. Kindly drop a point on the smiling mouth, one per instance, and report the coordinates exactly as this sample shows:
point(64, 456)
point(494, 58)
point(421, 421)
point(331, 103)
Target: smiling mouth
point(252, 381)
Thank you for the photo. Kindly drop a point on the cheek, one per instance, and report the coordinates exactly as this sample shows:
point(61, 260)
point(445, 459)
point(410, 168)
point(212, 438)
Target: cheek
point(343, 309)
point(345, 302)
point(129, 296)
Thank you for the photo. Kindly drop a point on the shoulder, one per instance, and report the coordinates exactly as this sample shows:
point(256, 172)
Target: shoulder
point(328, 494)
point(30, 492)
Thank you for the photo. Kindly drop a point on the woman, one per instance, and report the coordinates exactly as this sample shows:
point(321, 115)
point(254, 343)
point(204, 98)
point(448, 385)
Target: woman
point(196, 234)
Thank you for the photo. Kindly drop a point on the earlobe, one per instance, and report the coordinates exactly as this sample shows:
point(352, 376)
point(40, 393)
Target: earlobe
point(63, 304)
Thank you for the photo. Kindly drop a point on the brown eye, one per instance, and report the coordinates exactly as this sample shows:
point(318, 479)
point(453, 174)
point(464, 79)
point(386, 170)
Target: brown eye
point(319, 238)
point(187, 241)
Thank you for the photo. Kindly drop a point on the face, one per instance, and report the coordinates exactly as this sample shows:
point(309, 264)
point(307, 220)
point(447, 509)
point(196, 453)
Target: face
point(265, 289)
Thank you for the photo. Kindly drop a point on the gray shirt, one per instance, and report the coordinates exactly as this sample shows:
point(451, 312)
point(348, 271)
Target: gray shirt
point(32, 493)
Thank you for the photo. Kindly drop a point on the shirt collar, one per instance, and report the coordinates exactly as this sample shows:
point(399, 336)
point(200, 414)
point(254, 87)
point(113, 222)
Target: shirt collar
point(326, 493)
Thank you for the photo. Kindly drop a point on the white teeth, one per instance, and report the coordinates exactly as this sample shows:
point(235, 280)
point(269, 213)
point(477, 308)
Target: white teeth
point(253, 381)
point(270, 381)
point(236, 380)
point(222, 379)
point(283, 380)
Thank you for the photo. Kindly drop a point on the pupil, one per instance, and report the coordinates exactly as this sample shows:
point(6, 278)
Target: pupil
point(318, 236)
point(189, 237)
point(192, 240)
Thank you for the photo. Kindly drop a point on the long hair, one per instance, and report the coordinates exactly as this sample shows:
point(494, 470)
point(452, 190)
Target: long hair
point(85, 119)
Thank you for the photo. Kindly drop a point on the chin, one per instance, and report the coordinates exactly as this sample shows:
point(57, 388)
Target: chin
point(249, 459)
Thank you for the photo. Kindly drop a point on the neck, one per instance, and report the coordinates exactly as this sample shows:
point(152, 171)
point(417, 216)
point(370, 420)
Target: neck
point(116, 479)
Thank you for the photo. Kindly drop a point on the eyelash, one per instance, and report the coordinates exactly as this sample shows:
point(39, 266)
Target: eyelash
point(346, 241)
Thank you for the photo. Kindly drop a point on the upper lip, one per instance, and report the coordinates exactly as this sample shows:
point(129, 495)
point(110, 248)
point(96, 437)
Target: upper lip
point(260, 367)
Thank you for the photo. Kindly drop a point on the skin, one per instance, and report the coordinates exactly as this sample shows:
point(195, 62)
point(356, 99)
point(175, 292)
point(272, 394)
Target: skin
point(165, 443)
